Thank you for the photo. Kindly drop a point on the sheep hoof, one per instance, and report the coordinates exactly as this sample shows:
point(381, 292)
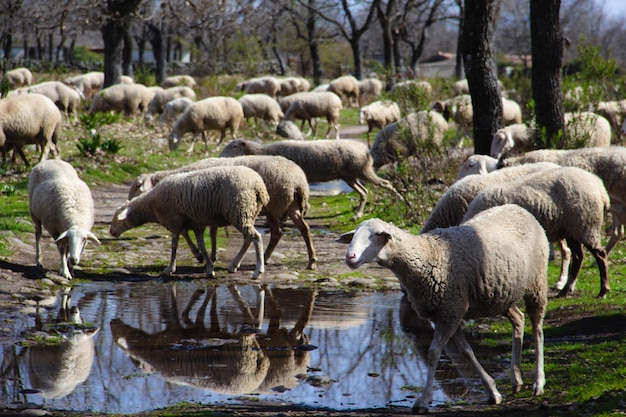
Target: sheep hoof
point(419, 410)
point(312, 265)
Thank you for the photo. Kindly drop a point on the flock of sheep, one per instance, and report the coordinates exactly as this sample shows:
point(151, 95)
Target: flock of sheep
point(484, 248)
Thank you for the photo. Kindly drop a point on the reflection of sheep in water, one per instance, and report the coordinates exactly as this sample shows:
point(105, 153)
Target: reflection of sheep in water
point(481, 268)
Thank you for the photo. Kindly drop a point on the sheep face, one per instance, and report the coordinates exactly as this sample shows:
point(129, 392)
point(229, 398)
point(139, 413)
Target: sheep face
point(236, 148)
point(173, 140)
point(141, 184)
point(71, 244)
point(501, 143)
point(367, 243)
point(120, 222)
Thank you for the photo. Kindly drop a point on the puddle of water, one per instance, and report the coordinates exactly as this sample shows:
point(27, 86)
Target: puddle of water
point(147, 345)
point(330, 188)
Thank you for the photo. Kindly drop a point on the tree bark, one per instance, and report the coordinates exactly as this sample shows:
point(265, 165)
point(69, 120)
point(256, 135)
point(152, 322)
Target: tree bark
point(547, 45)
point(155, 36)
point(127, 53)
point(115, 26)
point(481, 73)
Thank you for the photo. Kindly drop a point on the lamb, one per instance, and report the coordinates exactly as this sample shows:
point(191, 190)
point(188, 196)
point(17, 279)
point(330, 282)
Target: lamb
point(18, 77)
point(30, 119)
point(378, 115)
point(232, 195)
point(67, 99)
point(126, 98)
point(88, 83)
point(406, 137)
point(179, 81)
point(614, 111)
point(261, 106)
point(289, 130)
point(309, 106)
point(346, 87)
point(213, 113)
point(321, 161)
point(162, 97)
point(60, 202)
point(589, 128)
point(292, 85)
point(515, 136)
point(481, 268)
point(369, 88)
point(286, 185)
point(260, 85)
point(174, 108)
point(569, 203)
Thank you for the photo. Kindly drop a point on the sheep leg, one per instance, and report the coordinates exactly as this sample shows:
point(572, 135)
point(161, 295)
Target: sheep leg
point(275, 234)
point(536, 309)
point(38, 231)
point(171, 268)
point(210, 273)
point(577, 259)
point(305, 231)
point(566, 258)
point(362, 191)
point(193, 141)
point(194, 250)
point(213, 235)
point(468, 352)
point(618, 213)
point(64, 250)
point(516, 317)
point(600, 255)
point(250, 236)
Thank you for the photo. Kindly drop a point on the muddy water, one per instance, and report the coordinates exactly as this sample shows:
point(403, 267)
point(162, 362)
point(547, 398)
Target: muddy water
point(147, 345)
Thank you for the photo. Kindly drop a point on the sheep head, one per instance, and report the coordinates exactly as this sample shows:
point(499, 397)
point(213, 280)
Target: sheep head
point(368, 243)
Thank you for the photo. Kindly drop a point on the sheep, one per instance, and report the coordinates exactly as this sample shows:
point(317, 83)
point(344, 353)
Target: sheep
point(18, 77)
point(289, 130)
point(569, 203)
point(232, 195)
point(213, 113)
point(126, 98)
point(88, 83)
point(174, 108)
point(478, 164)
point(378, 114)
point(261, 106)
point(60, 202)
point(423, 88)
point(515, 136)
point(309, 106)
point(614, 111)
point(286, 185)
point(481, 268)
point(292, 85)
point(163, 96)
point(320, 87)
point(402, 139)
point(369, 88)
point(347, 88)
point(179, 81)
point(67, 99)
point(460, 87)
point(30, 119)
point(588, 127)
point(321, 161)
point(260, 85)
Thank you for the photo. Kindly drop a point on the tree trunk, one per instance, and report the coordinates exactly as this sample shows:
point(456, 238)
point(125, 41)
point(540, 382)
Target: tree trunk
point(155, 36)
point(113, 30)
point(357, 58)
point(458, 68)
point(481, 73)
point(314, 49)
point(127, 54)
point(547, 45)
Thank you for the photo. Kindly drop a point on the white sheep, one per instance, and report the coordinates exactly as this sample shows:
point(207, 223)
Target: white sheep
point(289, 130)
point(320, 87)
point(309, 106)
point(88, 83)
point(422, 87)
point(292, 85)
point(66, 98)
point(460, 87)
point(321, 161)
point(163, 96)
point(232, 195)
point(378, 114)
point(515, 136)
point(18, 77)
point(260, 85)
point(407, 137)
point(30, 119)
point(179, 81)
point(261, 106)
point(589, 128)
point(127, 98)
point(213, 113)
point(569, 203)
point(481, 268)
point(286, 185)
point(370, 89)
point(614, 111)
point(478, 165)
point(174, 108)
point(60, 202)
point(347, 88)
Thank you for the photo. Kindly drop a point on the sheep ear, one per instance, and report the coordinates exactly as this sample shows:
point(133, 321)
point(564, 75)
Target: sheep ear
point(346, 237)
point(61, 236)
point(123, 214)
point(93, 238)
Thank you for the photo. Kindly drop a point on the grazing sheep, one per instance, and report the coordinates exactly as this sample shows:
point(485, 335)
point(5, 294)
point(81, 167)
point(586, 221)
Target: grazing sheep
point(569, 203)
point(460, 87)
point(67, 99)
point(260, 85)
point(614, 111)
point(18, 77)
point(286, 185)
point(60, 202)
point(378, 114)
point(321, 161)
point(347, 88)
point(406, 137)
point(288, 129)
point(164, 96)
point(213, 113)
point(232, 195)
point(423, 88)
point(292, 85)
point(309, 106)
point(588, 127)
point(126, 98)
point(30, 119)
point(178, 81)
point(261, 106)
point(321, 87)
point(481, 268)
point(515, 136)
point(369, 88)
point(88, 83)
point(174, 108)
point(478, 165)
